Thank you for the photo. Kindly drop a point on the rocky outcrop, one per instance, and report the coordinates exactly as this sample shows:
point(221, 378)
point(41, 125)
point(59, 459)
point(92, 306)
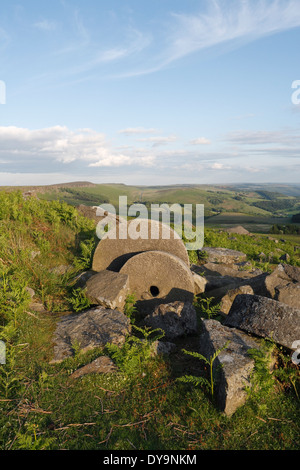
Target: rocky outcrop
point(265, 317)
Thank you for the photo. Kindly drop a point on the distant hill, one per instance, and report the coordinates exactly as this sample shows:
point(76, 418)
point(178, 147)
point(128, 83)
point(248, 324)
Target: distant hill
point(254, 206)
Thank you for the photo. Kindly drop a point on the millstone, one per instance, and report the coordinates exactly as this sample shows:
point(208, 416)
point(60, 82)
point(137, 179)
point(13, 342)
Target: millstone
point(157, 277)
point(112, 253)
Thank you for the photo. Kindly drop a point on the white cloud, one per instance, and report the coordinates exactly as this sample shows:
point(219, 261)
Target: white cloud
point(200, 141)
point(137, 130)
point(158, 141)
point(62, 145)
point(46, 25)
point(220, 166)
point(231, 21)
point(288, 136)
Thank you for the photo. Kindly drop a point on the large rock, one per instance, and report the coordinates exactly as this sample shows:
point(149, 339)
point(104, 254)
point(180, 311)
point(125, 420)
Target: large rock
point(223, 255)
point(289, 294)
point(158, 277)
point(108, 288)
point(265, 317)
point(256, 283)
point(175, 319)
point(233, 366)
point(90, 329)
point(283, 284)
point(112, 253)
point(228, 298)
point(241, 270)
point(219, 274)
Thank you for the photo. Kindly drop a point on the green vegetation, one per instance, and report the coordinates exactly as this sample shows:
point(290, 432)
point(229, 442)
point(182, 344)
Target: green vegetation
point(209, 383)
point(140, 406)
point(286, 229)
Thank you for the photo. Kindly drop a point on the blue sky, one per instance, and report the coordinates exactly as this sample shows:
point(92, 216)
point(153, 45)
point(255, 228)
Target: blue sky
point(149, 92)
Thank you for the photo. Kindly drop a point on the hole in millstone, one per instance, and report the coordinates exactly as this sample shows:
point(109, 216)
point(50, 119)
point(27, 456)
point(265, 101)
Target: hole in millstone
point(154, 291)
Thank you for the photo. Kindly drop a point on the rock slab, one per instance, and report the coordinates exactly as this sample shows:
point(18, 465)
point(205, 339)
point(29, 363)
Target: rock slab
point(228, 298)
point(108, 289)
point(283, 284)
point(265, 317)
point(224, 255)
point(233, 366)
point(90, 329)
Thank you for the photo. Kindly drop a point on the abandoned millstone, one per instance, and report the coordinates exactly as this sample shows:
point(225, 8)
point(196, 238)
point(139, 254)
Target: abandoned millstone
point(89, 329)
point(176, 319)
point(140, 235)
point(108, 288)
point(158, 277)
point(101, 365)
point(233, 366)
point(223, 255)
point(265, 317)
point(228, 298)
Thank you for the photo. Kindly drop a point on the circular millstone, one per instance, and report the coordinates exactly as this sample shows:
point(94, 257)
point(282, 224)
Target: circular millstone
point(157, 277)
point(139, 235)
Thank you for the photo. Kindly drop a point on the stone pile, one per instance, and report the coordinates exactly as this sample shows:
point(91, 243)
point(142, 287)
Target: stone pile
point(156, 269)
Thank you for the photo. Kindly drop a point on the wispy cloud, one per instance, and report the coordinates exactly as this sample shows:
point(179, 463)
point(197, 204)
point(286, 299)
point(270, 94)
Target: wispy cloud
point(46, 25)
point(227, 24)
point(200, 141)
point(289, 137)
point(137, 130)
point(231, 21)
point(158, 141)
